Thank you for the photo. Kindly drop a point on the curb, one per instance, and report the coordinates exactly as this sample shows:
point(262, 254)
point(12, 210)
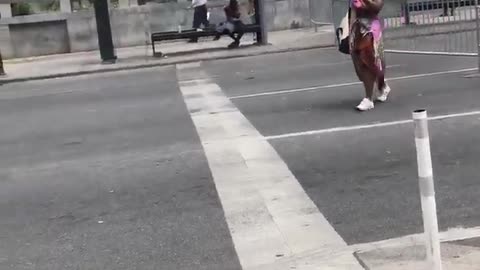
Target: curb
point(159, 64)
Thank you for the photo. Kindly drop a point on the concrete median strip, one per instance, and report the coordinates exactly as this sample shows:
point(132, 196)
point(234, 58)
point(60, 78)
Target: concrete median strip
point(273, 223)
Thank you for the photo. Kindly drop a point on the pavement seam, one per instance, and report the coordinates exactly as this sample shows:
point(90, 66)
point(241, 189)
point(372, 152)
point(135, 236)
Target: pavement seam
point(360, 261)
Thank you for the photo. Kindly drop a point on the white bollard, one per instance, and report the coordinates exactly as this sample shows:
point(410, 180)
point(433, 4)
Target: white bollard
point(427, 190)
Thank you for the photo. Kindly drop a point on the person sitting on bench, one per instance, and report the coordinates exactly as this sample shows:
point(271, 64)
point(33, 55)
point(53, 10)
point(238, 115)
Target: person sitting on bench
point(233, 26)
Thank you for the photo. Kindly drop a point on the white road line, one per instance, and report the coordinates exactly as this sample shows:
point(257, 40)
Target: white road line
point(189, 65)
point(431, 53)
point(367, 126)
point(394, 66)
point(321, 87)
point(454, 234)
point(200, 79)
point(273, 223)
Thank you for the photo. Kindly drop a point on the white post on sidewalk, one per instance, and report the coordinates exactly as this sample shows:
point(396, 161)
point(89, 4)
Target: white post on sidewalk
point(427, 190)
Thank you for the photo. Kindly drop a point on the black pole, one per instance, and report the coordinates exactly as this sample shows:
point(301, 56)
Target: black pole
point(104, 30)
point(2, 69)
point(262, 35)
point(406, 12)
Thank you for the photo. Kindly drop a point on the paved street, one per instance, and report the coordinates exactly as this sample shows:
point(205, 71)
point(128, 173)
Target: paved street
point(106, 172)
point(251, 163)
point(364, 180)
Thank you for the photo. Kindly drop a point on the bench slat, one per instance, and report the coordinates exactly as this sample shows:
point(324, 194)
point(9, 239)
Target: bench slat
point(191, 33)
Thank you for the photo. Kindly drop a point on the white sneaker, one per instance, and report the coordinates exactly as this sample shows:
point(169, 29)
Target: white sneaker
point(365, 105)
point(384, 94)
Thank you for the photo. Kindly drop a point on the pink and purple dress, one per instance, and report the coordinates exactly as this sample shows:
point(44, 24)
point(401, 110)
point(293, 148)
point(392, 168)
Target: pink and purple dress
point(365, 20)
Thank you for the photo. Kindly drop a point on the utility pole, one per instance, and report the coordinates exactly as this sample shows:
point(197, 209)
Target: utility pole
point(260, 19)
point(104, 30)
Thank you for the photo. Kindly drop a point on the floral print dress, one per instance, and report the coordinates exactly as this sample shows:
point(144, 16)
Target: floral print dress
point(364, 21)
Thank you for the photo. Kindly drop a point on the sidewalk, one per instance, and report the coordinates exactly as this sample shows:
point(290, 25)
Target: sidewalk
point(460, 249)
point(459, 255)
point(178, 52)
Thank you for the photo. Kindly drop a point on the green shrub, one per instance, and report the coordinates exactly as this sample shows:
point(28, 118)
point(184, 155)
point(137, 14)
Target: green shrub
point(52, 5)
point(21, 9)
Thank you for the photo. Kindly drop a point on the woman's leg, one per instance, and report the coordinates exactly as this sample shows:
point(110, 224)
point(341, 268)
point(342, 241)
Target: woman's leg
point(368, 74)
point(374, 60)
point(383, 87)
point(381, 75)
point(365, 67)
point(366, 78)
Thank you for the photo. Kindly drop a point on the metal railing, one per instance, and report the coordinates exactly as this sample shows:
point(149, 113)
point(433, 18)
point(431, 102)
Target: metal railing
point(320, 13)
point(434, 26)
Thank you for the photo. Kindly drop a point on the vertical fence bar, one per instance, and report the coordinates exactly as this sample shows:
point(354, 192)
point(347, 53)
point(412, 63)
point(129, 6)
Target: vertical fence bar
point(407, 13)
point(477, 20)
point(260, 13)
point(465, 9)
point(427, 190)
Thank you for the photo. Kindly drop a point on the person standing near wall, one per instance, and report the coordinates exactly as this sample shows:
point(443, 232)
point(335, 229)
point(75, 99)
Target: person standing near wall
point(200, 16)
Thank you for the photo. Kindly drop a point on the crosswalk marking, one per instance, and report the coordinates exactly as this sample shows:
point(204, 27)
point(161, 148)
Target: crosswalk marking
point(273, 223)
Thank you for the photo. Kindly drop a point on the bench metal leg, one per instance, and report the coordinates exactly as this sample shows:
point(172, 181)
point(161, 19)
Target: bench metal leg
point(155, 53)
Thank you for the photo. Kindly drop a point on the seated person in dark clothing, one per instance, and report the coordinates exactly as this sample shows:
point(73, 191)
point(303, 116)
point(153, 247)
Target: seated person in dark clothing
point(233, 26)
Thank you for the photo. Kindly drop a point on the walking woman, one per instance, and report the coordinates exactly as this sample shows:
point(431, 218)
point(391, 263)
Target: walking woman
point(366, 49)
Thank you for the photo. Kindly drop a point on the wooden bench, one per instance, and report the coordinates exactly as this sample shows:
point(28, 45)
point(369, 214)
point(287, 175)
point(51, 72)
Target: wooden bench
point(192, 33)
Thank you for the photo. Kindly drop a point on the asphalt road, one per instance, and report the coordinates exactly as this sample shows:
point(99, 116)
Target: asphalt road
point(365, 181)
point(108, 172)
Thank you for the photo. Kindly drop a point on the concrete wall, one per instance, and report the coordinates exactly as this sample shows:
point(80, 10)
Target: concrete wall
point(34, 35)
point(42, 38)
point(288, 14)
point(82, 30)
point(63, 32)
